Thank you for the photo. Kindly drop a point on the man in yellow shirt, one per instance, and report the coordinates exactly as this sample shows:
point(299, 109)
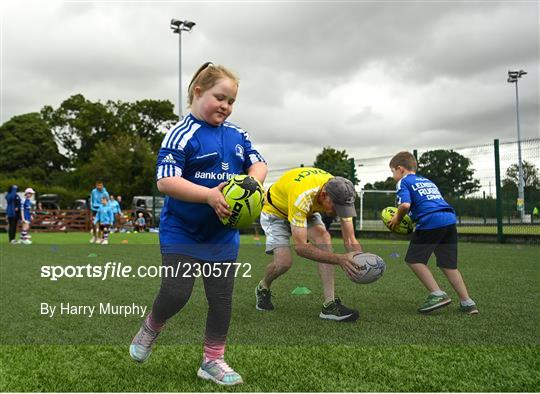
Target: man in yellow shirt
point(292, 209)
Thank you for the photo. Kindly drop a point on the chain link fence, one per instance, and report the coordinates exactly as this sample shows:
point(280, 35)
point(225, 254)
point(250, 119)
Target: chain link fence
point(483, 211)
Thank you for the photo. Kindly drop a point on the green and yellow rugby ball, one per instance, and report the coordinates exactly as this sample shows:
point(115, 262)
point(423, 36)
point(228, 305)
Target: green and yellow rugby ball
point(245, 196)
point(405, 227)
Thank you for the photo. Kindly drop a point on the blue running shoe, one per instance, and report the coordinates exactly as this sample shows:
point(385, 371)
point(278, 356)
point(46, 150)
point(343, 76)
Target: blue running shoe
point(218, 371)
point(141, 345)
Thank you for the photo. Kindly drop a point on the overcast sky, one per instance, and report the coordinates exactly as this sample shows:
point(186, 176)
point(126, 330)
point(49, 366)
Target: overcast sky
point(369, 77)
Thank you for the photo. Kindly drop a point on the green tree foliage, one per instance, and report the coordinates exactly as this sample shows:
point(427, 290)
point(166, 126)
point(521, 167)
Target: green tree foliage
point(28, 149)
point(126, 165)
point(79, 124)
point(388, 184)
point(450, 170)
point(530, 176)
point(336, 163)
point(531, 182)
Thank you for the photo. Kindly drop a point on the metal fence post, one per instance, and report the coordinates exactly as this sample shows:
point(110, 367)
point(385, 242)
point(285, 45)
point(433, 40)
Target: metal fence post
point(500, 235)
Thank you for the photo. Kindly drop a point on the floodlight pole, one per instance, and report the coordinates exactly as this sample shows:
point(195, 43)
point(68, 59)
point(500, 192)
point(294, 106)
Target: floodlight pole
point(513, 77)
point(178, 27)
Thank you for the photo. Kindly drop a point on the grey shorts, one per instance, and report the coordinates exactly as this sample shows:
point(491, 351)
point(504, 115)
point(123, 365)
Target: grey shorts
point(278, 231)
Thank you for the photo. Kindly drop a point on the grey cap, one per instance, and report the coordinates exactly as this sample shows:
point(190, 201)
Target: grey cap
point(342, 193)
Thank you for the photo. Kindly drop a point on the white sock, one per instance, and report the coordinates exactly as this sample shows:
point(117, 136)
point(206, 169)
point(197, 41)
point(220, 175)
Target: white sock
point(438, 293)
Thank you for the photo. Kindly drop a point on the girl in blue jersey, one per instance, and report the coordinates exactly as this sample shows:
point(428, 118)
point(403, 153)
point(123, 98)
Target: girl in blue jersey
point(197, 156)
point(26, 216)
point(435, 232)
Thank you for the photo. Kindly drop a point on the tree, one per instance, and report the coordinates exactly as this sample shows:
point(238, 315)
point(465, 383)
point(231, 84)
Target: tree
point(79, 125)
point(388, 184)
point(126, 165)
point(450, 170)
point(530, 176)
point(28, 149)
point(336, 163)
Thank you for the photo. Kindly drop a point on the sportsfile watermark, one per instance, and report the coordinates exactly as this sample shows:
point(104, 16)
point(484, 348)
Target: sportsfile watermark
point(119, 270)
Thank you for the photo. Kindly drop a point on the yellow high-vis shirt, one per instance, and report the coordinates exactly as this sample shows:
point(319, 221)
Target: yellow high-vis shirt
point(294, 195)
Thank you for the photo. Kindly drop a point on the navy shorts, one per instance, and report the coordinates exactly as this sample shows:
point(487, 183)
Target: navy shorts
point(442, 241)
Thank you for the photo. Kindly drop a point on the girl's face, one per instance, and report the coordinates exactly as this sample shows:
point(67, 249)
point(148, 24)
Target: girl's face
point(216, 104)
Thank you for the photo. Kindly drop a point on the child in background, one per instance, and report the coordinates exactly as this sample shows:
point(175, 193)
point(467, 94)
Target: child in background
point(96, 196)
point(435, 233)
point(140, 223)
point(103, 221)
point(26, 216)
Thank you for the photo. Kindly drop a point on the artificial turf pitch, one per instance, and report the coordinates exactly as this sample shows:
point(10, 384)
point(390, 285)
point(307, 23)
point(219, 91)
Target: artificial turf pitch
point(391, 348)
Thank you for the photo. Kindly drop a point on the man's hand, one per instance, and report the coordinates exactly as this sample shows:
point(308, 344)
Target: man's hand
point(346, 261)
point(217, 201)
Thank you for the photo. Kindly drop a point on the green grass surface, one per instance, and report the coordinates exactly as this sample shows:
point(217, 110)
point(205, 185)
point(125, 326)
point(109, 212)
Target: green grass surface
point(392, 348)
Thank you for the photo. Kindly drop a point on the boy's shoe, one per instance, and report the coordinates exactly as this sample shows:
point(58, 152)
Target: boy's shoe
point(14, 242)
point(469, 309)
point(104, 241)
point(264, 299)
point(339, 312)
point(434, 302)
point(93, 240)
point(218, 371)
point(141, 345)
point(26, 242)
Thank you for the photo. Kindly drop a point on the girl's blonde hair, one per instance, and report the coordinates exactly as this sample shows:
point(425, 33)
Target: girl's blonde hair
point(207, 76)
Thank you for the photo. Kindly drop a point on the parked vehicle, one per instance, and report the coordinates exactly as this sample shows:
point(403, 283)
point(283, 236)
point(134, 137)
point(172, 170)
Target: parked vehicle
point(48, 201)
point(80, 204)
point(145, 205)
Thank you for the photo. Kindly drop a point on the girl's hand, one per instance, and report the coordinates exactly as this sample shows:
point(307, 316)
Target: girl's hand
point(216, 200)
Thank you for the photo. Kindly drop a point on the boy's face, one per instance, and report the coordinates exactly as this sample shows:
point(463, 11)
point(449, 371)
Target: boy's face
point(397, 173)
point(99, 186)
point(104, 201)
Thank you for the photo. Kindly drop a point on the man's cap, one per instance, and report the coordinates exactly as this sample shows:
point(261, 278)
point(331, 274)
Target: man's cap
point(342, 193)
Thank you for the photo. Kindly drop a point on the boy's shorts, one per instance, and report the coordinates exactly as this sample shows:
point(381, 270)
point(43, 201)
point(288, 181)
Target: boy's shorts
point(278, 230)
point(442, 241)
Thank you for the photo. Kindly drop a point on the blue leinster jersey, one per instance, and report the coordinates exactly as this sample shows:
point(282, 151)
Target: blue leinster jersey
point(206, 155)
point(428, 208)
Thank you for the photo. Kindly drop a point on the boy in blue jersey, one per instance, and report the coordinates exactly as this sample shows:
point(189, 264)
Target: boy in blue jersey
point(197, 156)
point(435, 233)
point(104, 220)
point(26, 216)
point(96, 196)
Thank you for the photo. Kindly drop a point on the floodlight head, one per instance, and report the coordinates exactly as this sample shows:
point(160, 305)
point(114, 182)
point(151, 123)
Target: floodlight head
point(521, 72)
point(513, 74)
point(189, 25)
point(511, 80)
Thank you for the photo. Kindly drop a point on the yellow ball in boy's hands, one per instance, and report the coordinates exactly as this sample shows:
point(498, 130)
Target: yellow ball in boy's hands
point(405, 227)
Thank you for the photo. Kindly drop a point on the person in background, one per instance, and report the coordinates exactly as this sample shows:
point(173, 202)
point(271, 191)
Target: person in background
point(103, 221)
point(117, 213)
point(26, 216)
point(13, 212)
point(140, 223)
point(96, 196)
